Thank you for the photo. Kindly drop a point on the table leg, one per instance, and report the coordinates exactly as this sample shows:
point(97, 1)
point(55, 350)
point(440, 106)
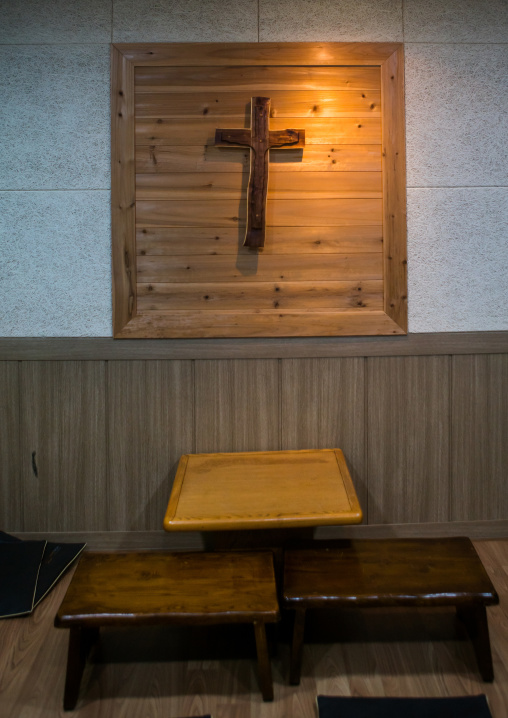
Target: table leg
point(475, 620)
point(264, 667)
point(80, 642)
point(297, 647)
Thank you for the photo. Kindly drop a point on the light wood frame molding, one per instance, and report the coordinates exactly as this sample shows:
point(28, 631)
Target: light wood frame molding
point(128, 322)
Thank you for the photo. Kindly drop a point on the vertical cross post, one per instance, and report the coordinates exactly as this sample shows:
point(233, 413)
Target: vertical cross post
point(260, 139)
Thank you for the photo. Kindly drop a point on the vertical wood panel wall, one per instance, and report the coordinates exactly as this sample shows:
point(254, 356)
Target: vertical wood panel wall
point(408, 427)
point(10, 484)
point(150, 425)
point(63, 471)
point(237, 405)
point(323, 406)
point(93, 445)
point(479, 410)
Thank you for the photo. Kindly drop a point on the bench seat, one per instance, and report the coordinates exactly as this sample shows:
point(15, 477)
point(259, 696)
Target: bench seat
point(390, 572)
point(134, 588)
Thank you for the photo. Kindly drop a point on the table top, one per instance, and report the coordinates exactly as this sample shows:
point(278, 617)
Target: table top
point(265, 489)
point(388, 572)
point(143, 587)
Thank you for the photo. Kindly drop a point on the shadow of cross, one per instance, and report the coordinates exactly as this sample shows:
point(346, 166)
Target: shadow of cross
point(260, 139)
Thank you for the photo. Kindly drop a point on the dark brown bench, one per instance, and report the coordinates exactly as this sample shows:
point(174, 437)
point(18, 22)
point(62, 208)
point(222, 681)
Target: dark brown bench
point(148, 588)
point(391, 572)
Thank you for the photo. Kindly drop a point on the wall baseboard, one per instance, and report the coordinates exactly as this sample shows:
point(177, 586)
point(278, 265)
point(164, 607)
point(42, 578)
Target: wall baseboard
point(193, 541)
point(106, 348)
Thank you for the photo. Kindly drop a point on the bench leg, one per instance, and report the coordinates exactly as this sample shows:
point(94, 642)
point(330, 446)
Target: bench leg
point(475, 620)
point(264, 667)
point(297, 647)
point(80, 642)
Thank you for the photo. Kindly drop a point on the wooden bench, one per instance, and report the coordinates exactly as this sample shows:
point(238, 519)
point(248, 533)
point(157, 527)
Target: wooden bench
point(147, 588)
point(390, 572)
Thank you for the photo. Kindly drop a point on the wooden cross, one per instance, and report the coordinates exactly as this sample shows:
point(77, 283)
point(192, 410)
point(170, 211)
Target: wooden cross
point(260, 139)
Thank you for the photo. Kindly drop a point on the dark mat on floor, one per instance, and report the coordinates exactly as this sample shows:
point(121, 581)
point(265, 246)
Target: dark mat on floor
point(463, 707)
point(29, 570)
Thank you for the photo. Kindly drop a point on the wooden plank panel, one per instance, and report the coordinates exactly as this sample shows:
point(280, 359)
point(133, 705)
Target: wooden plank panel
point(261, 295)
point(237, 405)
point(479, 437)
point(279, 240)
point(259, 268)
point(151, 424)
point(282, 185)
point(11, 498)
point(258, 53)
point(192, 185)
point(201, 131)
point(408, 426)
point(252, 79)
point(322, 406)
point(262, 323)
point(201, 103)
point(123, 193)
point(63, 446)
point(347, 103)
point(280, 213)
point(394, 188)
point(315, 158)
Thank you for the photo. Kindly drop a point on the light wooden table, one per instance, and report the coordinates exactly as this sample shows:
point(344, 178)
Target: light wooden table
point(260, 490)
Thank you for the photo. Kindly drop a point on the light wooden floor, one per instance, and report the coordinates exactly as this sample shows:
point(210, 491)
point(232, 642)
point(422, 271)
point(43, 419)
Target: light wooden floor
point(158, 685)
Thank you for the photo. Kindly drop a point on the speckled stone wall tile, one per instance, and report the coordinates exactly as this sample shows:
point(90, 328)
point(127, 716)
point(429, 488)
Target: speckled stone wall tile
point(55, 268)
point(458, 259)
point(55, 121)
point(330, 21)
point(456, 21)
point(457, 115)
point(34, 21)
point(185, 21)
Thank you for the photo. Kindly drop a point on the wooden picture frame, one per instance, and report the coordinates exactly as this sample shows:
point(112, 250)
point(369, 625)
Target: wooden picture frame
point(295, 301)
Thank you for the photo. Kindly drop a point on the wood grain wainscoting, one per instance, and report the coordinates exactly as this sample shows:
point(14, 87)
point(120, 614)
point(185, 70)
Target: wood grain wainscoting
point(91, 430)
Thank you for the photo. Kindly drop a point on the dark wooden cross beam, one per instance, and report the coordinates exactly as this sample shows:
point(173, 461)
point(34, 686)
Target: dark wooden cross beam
point(260, 139)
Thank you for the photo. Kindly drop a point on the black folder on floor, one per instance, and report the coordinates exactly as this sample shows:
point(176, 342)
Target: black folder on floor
point(29, 570)
point(460, 707)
